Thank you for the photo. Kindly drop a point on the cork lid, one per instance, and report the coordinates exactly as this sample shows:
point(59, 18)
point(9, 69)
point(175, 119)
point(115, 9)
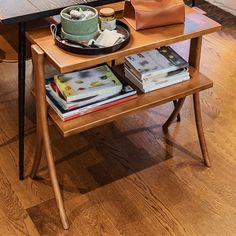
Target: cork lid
point(107, 12)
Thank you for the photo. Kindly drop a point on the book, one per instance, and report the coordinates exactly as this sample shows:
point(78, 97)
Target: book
point(153, 77)
point(126, 93)
point(162, 62)
point(65, 116)
point(56, 94)
point(87, 83)
point(159, 83)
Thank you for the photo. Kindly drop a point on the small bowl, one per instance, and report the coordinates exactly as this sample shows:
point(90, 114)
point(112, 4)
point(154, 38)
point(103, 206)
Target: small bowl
point(80, 27)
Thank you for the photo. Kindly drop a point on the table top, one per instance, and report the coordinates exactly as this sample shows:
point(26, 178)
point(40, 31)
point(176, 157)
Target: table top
point(15, 11)
point(195, 25)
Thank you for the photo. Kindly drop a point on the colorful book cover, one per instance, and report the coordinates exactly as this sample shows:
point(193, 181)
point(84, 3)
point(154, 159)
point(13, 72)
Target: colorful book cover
point(126, 93)
point(52, 88)
point(88, 109)
point(87, 83)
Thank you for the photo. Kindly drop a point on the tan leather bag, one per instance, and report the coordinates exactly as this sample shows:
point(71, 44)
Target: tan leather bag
point(143, 14)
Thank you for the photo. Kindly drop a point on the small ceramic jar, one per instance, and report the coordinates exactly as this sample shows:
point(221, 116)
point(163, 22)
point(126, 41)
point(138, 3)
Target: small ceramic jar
point(107, 19)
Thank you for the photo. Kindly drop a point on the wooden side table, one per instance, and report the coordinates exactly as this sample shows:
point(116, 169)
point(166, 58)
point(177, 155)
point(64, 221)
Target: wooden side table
point(44, 49)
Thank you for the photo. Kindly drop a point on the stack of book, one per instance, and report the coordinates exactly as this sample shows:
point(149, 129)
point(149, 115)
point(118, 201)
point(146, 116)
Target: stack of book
point(85, 91)
point(156, 69)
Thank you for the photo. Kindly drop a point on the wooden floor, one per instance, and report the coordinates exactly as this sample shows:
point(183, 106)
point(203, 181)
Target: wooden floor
point(127, 177)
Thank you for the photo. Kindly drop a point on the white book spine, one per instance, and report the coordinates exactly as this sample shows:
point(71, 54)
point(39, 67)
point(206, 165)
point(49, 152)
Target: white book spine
point(149, 63)
point(166, 84)
point(147, 77)
point(167, 81)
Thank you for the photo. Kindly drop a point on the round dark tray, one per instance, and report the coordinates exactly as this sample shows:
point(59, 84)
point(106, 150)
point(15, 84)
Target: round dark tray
point(90, 50)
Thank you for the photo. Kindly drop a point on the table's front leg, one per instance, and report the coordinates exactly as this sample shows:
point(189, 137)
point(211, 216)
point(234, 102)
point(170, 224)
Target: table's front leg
point(42, 129)
point(21, 96)
point(194, 61)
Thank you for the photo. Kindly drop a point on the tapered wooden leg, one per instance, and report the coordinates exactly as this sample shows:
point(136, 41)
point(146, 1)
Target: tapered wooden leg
point(37, 155)
point(41, 107)
point(198, 119)
point(174, 114)
point(194, 60)
point(39, 146)
point(53, 175)
point(178, 116)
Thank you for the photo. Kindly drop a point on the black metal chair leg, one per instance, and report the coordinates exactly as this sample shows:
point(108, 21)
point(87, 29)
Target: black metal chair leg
point(193, 3)
point(21, 96)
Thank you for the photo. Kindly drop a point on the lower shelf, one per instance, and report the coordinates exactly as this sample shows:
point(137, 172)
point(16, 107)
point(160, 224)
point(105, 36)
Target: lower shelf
point(197, 83)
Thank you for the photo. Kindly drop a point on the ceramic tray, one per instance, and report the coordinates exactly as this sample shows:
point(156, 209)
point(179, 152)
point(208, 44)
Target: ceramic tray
point(91, 50)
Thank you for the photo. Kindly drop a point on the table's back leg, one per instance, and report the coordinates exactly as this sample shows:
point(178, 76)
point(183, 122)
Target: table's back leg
point(194, 60)
point(178, 116)
point(174, 114)
point(41, 108)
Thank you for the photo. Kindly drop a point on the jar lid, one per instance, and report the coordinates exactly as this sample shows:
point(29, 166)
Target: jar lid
point(107, 11)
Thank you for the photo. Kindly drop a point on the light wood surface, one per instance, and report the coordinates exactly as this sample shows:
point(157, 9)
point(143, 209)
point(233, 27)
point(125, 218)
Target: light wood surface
point(137, 44)
point(118, 6)
point(128, 177)
point(42, 123)
point(195, 25)
point(13, 217)
point(8, 43)
point(9, 39)
point(194, 60)
point(144, 101)
point(178, 106)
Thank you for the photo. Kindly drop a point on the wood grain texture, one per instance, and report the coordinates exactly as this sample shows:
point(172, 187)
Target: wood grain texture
point(127, 177)
point(178, 106)
point(136, 148)
point(9, 40)
point(29, 192)
point(14, 11)
point(194, 60)
point(195, 25)
point(8, 43)
point(193, 86)
point(43, 128)
point(144, 101)
point(13, 218)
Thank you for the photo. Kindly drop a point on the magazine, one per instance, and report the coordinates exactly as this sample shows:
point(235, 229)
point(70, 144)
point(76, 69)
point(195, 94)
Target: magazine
point(52, 88)
point(159, 83)
point(126, 93)
point(155, 62)
point(87, 83)
point(68, 115)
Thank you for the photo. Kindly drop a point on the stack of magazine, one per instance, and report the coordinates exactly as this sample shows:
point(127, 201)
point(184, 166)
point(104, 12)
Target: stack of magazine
point(156, 69)
point(81, 92)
